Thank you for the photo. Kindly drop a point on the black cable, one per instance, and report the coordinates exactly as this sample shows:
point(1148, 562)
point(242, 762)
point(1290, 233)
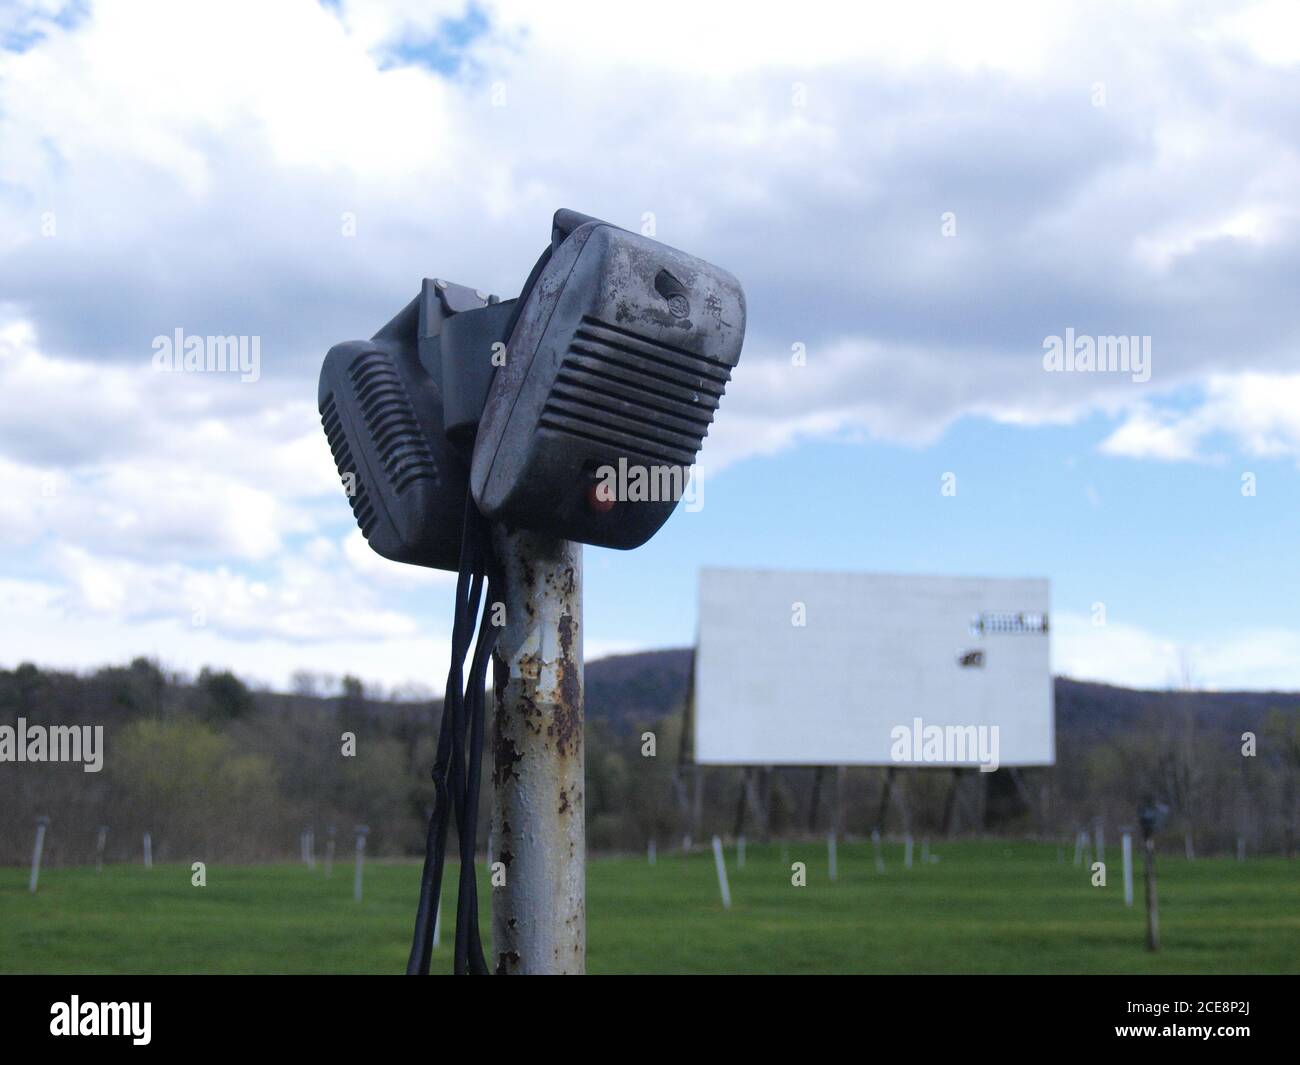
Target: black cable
point(475, 713)
point(465, 829)
point(468, 589)
point(464, 705)
point(435, 852)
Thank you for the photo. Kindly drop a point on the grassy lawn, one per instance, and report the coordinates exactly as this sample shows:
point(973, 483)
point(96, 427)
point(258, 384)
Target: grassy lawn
point(984, 907)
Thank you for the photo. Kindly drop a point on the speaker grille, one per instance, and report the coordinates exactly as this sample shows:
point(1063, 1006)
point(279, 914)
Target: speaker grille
point(634, 394)
point(362, 508)
point(390, 418)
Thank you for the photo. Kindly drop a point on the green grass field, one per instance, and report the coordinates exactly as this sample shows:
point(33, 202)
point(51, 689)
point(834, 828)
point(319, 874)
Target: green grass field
point(985, 907)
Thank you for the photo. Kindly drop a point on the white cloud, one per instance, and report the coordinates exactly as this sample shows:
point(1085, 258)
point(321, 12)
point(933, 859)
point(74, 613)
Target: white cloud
point(1117, 653)
point(39, 624)
point(133, 462)
point(1271, 30)
point(1147, 434)
point(1132, 656)
point(1258, 413)
point(310, 597)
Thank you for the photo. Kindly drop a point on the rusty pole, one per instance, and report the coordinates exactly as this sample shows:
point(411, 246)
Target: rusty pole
point(539, 916)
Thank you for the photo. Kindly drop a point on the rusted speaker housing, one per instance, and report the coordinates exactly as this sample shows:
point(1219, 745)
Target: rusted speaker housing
point(620, 356)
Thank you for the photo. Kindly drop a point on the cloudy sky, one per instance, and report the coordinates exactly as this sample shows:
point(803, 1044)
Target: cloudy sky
point(915, 197)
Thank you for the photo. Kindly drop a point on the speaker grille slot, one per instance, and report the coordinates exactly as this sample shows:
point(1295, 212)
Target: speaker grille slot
point(362, 508)
point(390, 418)
point(631, 393)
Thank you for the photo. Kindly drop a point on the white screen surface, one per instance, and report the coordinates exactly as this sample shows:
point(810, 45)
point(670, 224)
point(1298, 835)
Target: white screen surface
point(875, 653)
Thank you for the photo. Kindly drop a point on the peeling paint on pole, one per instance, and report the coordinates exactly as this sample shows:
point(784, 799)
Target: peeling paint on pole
point(539, 916)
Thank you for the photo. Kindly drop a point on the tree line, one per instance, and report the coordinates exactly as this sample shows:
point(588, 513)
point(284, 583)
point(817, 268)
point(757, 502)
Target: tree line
point(218, 771)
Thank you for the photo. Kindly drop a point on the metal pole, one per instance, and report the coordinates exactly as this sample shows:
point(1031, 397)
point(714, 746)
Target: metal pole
point(1126, 845)
point(101, 840)
point(148, 851)
point(360, 861)
point(37, 850)
point(1153, 914)
point(720, 864)
point(539, 917)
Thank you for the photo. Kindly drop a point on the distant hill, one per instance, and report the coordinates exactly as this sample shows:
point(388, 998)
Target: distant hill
point(627, 691)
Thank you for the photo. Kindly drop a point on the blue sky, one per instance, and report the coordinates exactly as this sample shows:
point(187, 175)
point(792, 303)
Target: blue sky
point(914, 202)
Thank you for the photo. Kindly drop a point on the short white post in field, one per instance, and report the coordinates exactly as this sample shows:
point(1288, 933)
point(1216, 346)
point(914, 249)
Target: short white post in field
point(740, 852)
point(37, 850)
point(925, 851)
point(830, 855)
point(311, 850)
point(875, 843)
point(1078, 848)
point(907, 852)
point(1100, 837)
point(1188, 849)
point(101, 841)
point(148, 850)
point(329, 852)
point(1126, 845)
point(686, 843)
point(722, 873)
point(1241, 848)
point(360, 861)
point(651, 852)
